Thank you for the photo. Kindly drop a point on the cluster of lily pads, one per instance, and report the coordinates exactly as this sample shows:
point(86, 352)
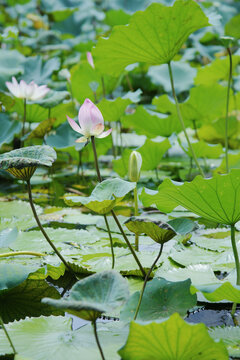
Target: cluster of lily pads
point(131, 110)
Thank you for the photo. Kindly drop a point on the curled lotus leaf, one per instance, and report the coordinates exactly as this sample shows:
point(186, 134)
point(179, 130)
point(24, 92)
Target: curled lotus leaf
point(157, 230)
point(30, 156)
point(94, 295)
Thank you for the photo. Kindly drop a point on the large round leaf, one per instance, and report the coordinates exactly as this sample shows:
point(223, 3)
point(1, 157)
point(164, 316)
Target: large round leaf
point(92, 296)
point(216, 199)
point(171, 340)
point(153, 36)
point(161, 299)
point(30, 156)
point(52, 338)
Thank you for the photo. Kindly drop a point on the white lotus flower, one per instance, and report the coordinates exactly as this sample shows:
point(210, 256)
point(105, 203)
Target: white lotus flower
point(26, 91)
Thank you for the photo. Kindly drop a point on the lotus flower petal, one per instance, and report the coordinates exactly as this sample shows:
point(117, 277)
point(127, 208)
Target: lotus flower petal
point(82, 139)
point(104, 134)
point(74, 125)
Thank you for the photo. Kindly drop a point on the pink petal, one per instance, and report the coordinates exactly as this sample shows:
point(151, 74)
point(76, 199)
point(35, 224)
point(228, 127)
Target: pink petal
point(97, 129)
point(84, 116)
point(90, 59)
point(104, 134)
point(82, 139)
point(74, 125)
point(96, 115)
point(12, 88)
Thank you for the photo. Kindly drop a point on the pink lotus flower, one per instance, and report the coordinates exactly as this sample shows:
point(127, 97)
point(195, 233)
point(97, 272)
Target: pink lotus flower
point(91, 122)
point(90, 59)
point(26, 91)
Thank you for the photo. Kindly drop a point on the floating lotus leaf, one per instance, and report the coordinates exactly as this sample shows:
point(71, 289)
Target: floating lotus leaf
point(94, 295)
point(104, 197)
point(216, 199)
point(161, 299)
point(173, 339)
point(157, 230)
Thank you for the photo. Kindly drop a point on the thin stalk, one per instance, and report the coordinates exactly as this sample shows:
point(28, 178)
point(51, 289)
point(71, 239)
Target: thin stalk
point(24, 119)
point(71, 94)
point(94, 324)
point(129, 83)
point(42, 229)
point(136, 214)
point(105, 216)
point(16, 253)
point(145, 282)
point(128, 243)
point(237, 264)
point(110, 239)
point(227, 107)
point(8, 336)
point(49, 113)
point(181, 120)
point(113, 213)
point(120, 135)
point(235, 253)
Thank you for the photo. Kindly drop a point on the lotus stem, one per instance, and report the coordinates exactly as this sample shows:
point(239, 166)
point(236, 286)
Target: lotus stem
point(42, 229)
point(136, 214)
point(128, 243)
point(105, 216)
point(16, 253)
point(94, 324)
point(49, 113)
point(8, 336)
point(181, 120)
point(237, 264)
point(227, 108)
point(145, 282)
point(114, 215)
point(24, 120)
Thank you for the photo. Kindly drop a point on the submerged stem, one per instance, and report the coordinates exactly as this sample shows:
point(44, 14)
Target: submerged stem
point(145, 282)
point(136, 214)
point(42, 229)
point(94, 324)
point(8, 336)
point(227, 107)
point(181, 120)
point(105, 216)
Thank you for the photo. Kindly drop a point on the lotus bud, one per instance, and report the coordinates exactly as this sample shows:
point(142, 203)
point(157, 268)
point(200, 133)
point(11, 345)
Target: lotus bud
point(135, 164)
point(90, 59)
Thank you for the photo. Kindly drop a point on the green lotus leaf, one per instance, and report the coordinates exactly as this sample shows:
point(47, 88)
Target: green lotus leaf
point(157, 230)
point(94, 295)
point(158, 124)
point(25, 300)
point(220, 292)
point(173, 339)
point(215, 71)
point(161, 299)
point(153, 36)
point(104, 197)
point(12, 275)
point(230, 336)
point(30, 156)
point(232, 27)
point(216, 199)
point(52, 338)
point(7, 237)
point(112, 110)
